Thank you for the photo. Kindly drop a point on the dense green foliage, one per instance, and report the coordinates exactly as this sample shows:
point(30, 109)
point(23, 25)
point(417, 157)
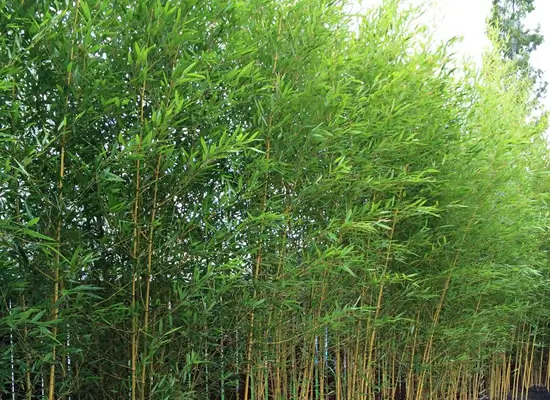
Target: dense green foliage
point(264, 199)
point(518, 42)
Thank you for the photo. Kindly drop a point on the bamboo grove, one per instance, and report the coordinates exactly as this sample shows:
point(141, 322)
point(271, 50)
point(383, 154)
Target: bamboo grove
point(264, 200)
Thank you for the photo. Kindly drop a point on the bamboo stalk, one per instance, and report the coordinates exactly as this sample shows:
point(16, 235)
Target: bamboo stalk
point(259, 255)
point(305, 382)
point(540, 367)
point(56, 290)
point(135, 252)
point(508, 375)
point(427, 350)
point(519, 349)
point(251, 330)
point(496, 382)
point(256, 275)
point(148, 276)
point(455, 379)
point(322, 365)
point(284, 372)
point(294, 379)
point(525, 363)
point(28, 382)
point(529, 357)
point(435, 320)
point(277, 379)
point(504, 376)
point(353, 384)
point(394, 375)
point(410, 376)
point(338, 371)
point(369, 376)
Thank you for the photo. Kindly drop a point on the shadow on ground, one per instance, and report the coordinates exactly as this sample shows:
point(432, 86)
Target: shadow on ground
point(535, 393)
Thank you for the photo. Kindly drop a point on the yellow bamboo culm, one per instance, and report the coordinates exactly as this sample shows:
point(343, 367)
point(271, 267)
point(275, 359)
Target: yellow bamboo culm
point(394, 379)
point(454, 383)
point(525, 366)
point(507, 387)
point(338, 371)
point(284, 370)
point(148, 276)
point(322, 370)
point(540, 365)
point(495, 382)
point(516, 371)
point(410, 386)
point(529, 363)
point(56, 278)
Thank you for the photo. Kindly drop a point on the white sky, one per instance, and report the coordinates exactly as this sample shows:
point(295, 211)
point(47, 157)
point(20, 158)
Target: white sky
point(466, 18)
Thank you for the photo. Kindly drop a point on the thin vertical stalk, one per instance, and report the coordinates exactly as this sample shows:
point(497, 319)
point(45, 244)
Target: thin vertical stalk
point(540, 367)
point(254, 295)
point(259, 252)
point(28, 382)
point(372, 323)
point(338, 371)
point(284, 369)
point(57, 260)
point(435, 320)
point(148, 276)
point(135, 250)
point(394, 375)
point(508, 375)
point(519, 354)
point(528, 362)
point(410, 376)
